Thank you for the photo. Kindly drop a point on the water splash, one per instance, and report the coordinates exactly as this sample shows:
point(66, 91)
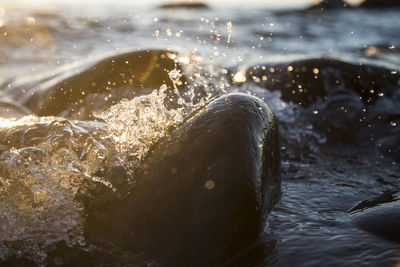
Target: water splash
point(45, 163)
point(175, 76)
point(135, 125)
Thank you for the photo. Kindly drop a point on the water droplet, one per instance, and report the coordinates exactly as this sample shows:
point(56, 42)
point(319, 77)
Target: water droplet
point(30, 21)
point(210, 185)
point(239, 77)
point(229, 29)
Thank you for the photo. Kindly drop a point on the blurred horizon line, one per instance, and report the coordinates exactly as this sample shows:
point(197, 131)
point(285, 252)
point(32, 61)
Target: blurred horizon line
point(266, 3)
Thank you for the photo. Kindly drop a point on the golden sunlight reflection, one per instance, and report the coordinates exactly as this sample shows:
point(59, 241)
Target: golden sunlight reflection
point(29, 120)
point(2, 11)
point(184, 60)
point(17, 33)
point(370, 51)
point(239, 77)
point(7, 122)
point(210, 184)
point(114, 83)
point(138, 123)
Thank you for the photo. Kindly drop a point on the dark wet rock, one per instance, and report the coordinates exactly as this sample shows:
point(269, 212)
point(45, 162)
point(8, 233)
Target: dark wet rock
point(340, 112)
point(185, 5)
point(9, 110)
point(17, 262)
point(383, 221)
point(379, 216)
point(62, 255)
point(81, 90)
point(380, 4)
point(382, 181)
point(330, 5)
point(305, 81)
point(256, 255)
point(386, 197)
point(204, 192)
point(322, 6)
point(348, 102)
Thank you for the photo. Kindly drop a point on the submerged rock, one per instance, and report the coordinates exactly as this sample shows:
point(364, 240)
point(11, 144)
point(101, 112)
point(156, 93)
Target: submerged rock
point(380, 4)
point(380, 216)
point(204, 192)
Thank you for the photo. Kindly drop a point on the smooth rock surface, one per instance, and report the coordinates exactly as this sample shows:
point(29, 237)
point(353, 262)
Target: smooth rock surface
point(78, 91)
point(380, 216)
point(204, 192)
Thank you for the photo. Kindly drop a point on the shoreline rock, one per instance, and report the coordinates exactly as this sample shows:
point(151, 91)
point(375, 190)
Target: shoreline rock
point(92, 87)
point(204, 192)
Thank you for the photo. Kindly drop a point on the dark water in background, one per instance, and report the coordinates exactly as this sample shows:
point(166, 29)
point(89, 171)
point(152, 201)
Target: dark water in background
point(337, 149)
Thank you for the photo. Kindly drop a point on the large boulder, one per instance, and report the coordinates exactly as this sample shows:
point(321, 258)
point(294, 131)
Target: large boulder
point(204, 191)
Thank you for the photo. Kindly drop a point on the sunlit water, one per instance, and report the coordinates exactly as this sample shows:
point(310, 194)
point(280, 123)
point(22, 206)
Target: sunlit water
point(51, 168)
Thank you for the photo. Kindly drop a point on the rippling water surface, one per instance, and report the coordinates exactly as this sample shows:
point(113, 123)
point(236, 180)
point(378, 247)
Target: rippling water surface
point(87, 90)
